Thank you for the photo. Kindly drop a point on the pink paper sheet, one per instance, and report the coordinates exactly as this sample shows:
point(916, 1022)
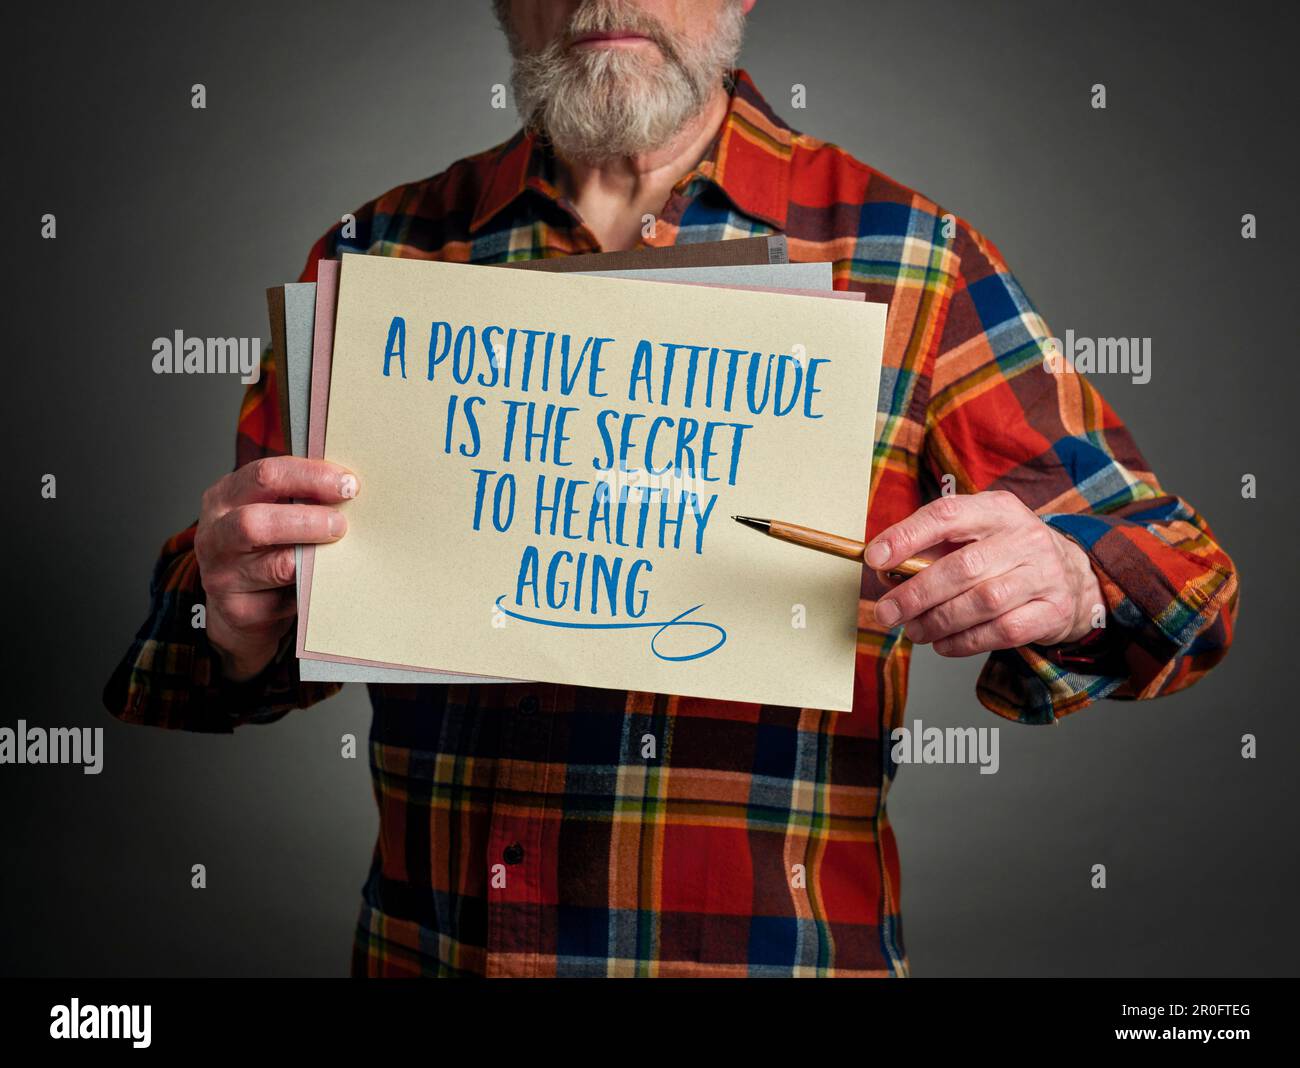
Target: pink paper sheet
point(327, 293)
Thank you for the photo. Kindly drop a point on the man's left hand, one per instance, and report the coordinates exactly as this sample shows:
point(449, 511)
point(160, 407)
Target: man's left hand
point(1008, 580)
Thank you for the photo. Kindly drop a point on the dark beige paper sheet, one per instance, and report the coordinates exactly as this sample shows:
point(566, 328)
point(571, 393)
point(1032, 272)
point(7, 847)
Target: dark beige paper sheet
point(412, 584)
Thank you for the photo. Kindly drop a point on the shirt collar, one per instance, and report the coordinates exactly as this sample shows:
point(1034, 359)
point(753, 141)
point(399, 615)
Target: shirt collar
point(748, 160)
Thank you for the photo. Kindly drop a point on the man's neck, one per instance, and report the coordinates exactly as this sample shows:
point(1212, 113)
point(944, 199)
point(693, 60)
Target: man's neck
point(613, 197)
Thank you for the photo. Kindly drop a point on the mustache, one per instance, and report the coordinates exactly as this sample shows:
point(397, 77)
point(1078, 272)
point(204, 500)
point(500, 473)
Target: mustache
point(604, 17)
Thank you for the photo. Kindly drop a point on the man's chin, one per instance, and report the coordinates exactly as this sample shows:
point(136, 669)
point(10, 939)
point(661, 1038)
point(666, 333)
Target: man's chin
point(625, 72)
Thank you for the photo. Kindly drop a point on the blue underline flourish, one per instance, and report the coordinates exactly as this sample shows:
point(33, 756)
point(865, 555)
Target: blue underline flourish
point(678, 620)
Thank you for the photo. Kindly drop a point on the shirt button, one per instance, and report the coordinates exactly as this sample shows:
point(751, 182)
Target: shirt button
point(514, 853)
point(528, 705)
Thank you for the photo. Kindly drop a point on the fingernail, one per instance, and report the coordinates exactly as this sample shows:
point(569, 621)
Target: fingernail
point(337, 524)
point(887, 612)
point(348, 486)
point(877, 553)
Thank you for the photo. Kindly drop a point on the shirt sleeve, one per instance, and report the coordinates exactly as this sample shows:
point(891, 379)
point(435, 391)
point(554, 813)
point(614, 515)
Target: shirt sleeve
point(171, 676)
point(999, 418)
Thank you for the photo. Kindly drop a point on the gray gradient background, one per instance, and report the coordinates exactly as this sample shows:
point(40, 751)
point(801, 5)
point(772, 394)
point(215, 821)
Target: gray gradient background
point(1118, 222)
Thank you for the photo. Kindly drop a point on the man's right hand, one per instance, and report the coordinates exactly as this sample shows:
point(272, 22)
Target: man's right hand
point(244, 547)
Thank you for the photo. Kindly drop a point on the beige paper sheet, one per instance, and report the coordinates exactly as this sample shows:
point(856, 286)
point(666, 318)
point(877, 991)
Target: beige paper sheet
point(413, 583)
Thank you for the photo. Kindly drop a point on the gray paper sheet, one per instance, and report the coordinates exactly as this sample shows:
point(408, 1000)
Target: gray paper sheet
point(299, 329)
point(769, 275)
point(299, 312)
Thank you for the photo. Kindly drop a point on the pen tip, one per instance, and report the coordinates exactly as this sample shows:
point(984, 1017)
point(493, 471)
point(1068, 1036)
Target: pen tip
point(758, 524)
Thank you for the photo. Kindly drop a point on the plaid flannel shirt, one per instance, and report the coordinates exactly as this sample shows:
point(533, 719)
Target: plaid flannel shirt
point(521, 830)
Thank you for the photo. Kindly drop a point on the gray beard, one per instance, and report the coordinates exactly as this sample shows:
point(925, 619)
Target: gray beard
point(594, 105)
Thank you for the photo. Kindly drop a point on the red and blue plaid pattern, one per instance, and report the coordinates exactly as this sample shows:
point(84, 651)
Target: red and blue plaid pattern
point(522, 829)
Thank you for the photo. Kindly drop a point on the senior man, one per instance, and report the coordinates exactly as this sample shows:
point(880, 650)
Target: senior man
point(521, 830)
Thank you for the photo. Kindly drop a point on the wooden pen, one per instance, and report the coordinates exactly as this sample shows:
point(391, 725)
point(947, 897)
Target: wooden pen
point(834, 544)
